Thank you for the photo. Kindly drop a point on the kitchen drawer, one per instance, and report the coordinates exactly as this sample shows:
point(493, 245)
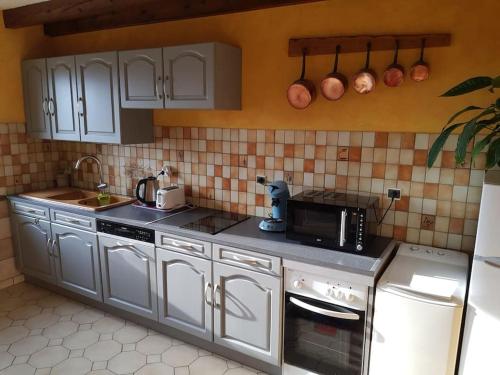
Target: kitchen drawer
point(30, 209)
point(73, 220)
point(185, 245)
point(247, 259)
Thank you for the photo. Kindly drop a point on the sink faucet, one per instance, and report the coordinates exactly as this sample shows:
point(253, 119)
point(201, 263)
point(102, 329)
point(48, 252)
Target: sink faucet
point(102, 185)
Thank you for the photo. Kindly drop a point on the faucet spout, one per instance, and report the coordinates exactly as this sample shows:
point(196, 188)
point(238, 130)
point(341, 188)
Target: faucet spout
point(102, 185)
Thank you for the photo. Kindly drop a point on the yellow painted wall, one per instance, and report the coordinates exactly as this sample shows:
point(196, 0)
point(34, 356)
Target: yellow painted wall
point(267, 70)
point(16, 45)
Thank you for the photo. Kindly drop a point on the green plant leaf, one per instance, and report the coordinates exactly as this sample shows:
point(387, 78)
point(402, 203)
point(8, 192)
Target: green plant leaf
point(478, 147)
point(472, 84)
point(493, 155)
point(470, 130)
point(439, 143)
point(466, 109)
point(496, 82)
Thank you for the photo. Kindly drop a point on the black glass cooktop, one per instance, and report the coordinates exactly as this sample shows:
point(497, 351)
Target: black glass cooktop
point(216, 222)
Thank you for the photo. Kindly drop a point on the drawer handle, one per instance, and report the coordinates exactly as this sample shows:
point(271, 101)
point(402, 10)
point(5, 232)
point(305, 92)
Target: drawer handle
point(72, 221)
point(31, 211)
point(207, 287)
point(184, 245)
point(250, 262)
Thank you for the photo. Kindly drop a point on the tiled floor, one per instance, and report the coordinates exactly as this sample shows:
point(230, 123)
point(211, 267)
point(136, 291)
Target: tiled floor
point(45, 333)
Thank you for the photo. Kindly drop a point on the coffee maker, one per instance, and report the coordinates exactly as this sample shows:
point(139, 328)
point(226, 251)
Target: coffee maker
point(278, 190)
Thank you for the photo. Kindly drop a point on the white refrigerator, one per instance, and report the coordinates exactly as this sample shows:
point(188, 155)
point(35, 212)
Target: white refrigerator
point(480, 350)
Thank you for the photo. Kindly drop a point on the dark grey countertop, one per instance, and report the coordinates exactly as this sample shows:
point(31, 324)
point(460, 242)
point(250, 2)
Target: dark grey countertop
point(246, 235)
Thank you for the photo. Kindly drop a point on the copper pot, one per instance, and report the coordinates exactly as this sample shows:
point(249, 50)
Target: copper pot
point(364, 81)
point(394, 75)
point(420, 70)
point(334, 85)
point(302, 92)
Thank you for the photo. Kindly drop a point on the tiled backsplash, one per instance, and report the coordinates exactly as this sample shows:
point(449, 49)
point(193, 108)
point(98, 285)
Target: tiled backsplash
point(25, 165)
point(217, 168)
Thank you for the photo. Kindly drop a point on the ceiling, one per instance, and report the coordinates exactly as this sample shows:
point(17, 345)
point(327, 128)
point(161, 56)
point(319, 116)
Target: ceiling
point(7, 4)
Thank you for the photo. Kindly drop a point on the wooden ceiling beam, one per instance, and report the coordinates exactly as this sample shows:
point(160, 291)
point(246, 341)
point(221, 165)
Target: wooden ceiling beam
point(62, 17)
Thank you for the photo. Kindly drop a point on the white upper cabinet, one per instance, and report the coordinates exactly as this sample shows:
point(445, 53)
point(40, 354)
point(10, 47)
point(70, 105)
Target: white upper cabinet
point(63, 98)
point(141, 78)
point(36, 98)
point(193, 76)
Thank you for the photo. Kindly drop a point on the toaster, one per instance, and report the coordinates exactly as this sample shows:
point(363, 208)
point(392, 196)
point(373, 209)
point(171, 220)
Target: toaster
point(170, 197)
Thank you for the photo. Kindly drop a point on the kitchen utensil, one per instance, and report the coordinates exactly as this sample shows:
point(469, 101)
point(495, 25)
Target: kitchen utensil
point(364, 81)
point(395, 73)
point(146, 190)
point(420, 70)
point(334, 85)
point(170, 197)
point(278, 190)
point(302, 92)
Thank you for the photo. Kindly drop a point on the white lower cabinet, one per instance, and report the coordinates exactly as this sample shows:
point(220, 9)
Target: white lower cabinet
point(33, 241)
point(76, 258)
point(247, 312)
point(185, 292)
point(129, 275)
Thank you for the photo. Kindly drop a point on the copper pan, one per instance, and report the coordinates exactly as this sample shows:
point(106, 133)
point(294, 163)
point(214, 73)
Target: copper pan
point(302, 92)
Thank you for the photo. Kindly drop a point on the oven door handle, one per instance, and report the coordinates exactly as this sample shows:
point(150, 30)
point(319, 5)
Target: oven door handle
point(325, 312)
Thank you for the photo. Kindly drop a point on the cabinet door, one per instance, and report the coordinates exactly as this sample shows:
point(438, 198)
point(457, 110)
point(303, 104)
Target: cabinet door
point(36, 101)
point(189, 76)
point(184, 292)
point(247, 312)
point(129, 275)
point(63, 98)
point(98, 101)
point(141, 78)
point(76, 259)
point(33, 243)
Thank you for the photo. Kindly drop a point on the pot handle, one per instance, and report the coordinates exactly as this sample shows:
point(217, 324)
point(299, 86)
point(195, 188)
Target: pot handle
point(396, 51)
point(137, 188)
point(303, 74)
point(336, 63)
point(422, 47)
point(368, 50)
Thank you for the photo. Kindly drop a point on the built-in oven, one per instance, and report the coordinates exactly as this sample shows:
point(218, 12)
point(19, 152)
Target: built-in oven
point(325, 325)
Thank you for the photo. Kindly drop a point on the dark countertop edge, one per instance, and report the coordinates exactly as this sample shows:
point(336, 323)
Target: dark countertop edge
point(258, 245)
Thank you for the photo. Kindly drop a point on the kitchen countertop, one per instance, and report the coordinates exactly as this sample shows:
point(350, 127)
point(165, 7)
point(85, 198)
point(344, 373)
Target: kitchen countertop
point(246, 235)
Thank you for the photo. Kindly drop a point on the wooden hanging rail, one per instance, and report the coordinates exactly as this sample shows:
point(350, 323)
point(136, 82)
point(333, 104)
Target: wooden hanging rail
point(358, 43)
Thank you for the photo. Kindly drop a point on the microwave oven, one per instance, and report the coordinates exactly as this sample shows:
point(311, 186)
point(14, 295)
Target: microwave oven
point(332, 220)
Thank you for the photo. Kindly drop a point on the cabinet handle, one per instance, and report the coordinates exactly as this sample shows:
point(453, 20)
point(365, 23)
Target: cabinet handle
point(158, 91)
point(167, 96)
point(55, 249)
point(81, 107)
point(207, 287)
point(51, 107)
point(49, 247)
point(184, 245)
point(217, 289)
point(73, 221)
point(250, 262)
point(45, 106)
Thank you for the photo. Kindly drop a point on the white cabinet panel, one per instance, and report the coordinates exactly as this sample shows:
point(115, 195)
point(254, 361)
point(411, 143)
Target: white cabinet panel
point(184, 292)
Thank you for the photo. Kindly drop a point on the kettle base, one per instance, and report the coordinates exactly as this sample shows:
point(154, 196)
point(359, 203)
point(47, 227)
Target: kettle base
point(272, 225)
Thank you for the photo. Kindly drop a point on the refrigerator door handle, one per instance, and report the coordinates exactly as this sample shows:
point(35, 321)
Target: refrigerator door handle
point(415, 295)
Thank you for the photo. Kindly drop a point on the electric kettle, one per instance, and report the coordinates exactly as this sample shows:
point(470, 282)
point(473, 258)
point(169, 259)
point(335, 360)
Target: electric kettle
point(146, 190)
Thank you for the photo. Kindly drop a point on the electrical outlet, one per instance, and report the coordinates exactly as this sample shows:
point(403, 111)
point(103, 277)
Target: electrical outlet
point(261, 180)
point(393, 193)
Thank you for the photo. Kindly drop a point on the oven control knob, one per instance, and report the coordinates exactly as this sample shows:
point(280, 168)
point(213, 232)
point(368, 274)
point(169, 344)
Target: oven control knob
point(349, 297)
point(298, 284)
point(359, 247)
